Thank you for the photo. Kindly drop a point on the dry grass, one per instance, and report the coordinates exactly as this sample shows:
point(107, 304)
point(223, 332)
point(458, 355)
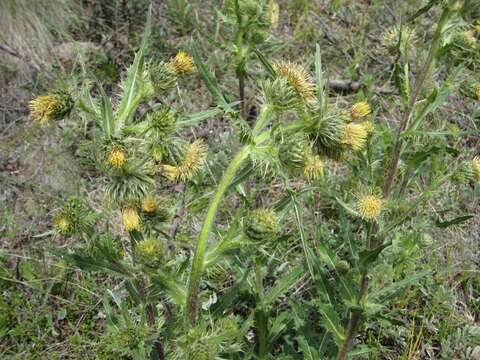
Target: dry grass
point(28, 28)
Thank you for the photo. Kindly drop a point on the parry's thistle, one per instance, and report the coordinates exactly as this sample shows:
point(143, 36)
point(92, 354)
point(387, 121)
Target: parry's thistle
point(51, 107)
point(476, 89)
point(354, 136)
point(464, 173)
point(313, 169)
point(149, 204)
point(150, 252)
point(466, 39)
point(193, 159)
point(297, 78)
point(130, 219)
point(406, 36)
point(359, 110)
point(115, 156)
point(369, 207)
point(182, 64)
point(63, 224)
point(261, 225)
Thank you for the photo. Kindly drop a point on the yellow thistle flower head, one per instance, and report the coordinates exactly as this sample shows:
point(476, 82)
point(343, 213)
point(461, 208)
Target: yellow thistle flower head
point(297, 78)
point(130, 219)
point(50, 107)
point(149, 204)
point(116, 157)
point(313, 168)
point(359, 110)
point(193, 159)
point(475, 165)
point(182, 63)
point(63, 225)
point(273, 14)
point(354, 136)
point(368, 126)
point(369, 207)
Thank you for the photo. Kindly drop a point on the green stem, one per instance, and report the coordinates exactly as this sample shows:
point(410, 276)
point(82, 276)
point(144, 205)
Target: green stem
point(199, 257)
point(261, 316)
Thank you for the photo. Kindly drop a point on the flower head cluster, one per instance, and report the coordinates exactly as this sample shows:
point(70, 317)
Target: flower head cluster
point(50, 107)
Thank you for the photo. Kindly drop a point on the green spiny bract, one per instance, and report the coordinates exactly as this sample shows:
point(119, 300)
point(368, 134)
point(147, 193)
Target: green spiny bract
point(200, 350)
point(133, 183)
point(327, 130)
point(294, 154)
point(150, 252)
point(280, 94)
point(162, 77)
point(261, 225)
point(161, 124)
point(73, 217)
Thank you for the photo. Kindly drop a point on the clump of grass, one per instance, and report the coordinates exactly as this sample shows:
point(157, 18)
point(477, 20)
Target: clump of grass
point(29, 29)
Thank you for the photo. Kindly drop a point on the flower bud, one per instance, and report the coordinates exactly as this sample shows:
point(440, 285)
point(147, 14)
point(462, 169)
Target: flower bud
point(200, 351)
point(161, 123)
point(293, 154)
point(261, 225)
point(279, 94)
point(273, 13)
point(150, 252)
point(163, 77)
point(475, 166)
point(149, 204)
point(354, 137)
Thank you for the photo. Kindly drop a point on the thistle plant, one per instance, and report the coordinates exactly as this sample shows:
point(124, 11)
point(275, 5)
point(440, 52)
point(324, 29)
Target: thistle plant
point(267, 262)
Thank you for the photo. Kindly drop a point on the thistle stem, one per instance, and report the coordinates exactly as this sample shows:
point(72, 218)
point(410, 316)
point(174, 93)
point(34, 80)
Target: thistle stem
point(397, 150)
point(201, 247)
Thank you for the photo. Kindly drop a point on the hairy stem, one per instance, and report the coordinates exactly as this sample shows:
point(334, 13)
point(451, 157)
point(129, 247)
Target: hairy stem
point(355, 316)
point(199, 257)
point(397, 149)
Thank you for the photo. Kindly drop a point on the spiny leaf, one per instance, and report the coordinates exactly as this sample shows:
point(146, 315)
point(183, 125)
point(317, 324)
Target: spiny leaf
point(331, 321)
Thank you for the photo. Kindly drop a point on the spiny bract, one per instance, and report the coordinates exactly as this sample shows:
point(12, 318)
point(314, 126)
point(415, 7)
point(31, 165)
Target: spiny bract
point(297, 77)
point(261, 224)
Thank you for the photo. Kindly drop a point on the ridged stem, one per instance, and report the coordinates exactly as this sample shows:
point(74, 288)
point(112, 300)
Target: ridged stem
point(201, 247)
